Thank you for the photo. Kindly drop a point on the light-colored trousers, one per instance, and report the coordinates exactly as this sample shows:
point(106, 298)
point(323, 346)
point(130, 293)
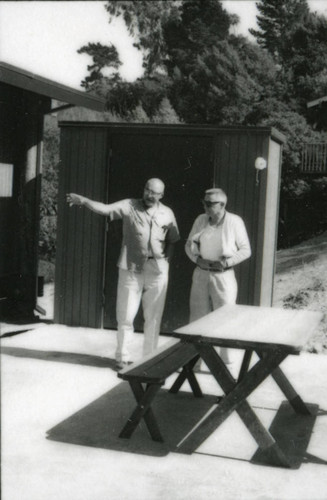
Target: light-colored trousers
point(150, 287)
point(210, 291)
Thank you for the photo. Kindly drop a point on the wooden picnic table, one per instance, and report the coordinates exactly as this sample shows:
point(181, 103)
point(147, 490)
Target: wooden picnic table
point(271, 333)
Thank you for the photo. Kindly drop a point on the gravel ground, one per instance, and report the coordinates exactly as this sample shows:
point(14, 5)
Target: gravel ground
point(301, 283)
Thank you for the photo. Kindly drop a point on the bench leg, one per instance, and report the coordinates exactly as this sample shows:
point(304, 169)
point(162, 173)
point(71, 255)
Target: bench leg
point(187, 373)
point(143, 409)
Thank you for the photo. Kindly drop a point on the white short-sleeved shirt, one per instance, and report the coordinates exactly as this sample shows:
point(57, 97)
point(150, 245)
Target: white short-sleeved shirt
point(144, 235)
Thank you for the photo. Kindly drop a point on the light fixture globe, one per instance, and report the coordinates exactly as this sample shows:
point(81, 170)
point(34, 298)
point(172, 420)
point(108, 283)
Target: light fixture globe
point(260, 163)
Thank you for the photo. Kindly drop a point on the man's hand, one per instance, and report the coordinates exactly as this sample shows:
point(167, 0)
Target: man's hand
point(74, 199)
point(211, 265)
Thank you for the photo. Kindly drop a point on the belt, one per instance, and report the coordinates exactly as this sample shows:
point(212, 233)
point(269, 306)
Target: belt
point(215, 270)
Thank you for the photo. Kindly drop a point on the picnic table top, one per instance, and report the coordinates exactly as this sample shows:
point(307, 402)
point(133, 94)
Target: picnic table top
point(241, 326)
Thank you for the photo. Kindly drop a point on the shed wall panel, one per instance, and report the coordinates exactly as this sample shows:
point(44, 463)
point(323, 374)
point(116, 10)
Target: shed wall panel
point(189, 160)
point(185, 164)
point(235, 173)
point(81, 234)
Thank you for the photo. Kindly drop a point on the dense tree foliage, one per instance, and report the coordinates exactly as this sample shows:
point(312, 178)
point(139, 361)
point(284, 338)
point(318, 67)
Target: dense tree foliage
point(275, 20)
point(48, 209)
point(197, 71)
point(189, 58)
point(305, 58)
point(146, 21)
point(297, 40)
point(211, 76)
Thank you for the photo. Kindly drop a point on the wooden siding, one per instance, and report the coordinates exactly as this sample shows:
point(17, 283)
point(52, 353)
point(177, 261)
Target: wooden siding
point(81, 233)
point(235, 173)
point(185, 163)
point(189, 159)
point(21, 124)
point(8, 205)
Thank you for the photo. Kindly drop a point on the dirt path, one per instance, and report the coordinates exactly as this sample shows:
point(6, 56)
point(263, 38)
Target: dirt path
point(301, 283)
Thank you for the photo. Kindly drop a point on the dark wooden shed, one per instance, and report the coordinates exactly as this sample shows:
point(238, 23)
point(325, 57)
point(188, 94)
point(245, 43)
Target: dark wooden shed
point(25, 99)
point(109, 162)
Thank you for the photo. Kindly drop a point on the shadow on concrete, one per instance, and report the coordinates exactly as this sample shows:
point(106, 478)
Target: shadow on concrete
point(12, 334)
point(292, 432)
point(99, 424)
point(62, 357)
point(27, 329)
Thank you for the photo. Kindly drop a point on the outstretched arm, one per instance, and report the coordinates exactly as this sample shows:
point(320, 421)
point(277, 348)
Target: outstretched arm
point(95, 206)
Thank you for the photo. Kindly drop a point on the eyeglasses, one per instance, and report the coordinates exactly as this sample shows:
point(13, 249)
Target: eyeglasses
point(153, 193)
point(209, 204)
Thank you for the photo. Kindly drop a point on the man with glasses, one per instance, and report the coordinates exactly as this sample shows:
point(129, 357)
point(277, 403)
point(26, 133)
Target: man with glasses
point(149, 234)
point(218, 241)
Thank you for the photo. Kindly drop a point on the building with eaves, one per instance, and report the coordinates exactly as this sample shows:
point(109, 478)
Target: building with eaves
point(25, 99)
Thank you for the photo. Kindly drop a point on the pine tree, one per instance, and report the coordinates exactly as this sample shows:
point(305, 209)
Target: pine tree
point(103, 57)
point(189, 54)
point(275, 20)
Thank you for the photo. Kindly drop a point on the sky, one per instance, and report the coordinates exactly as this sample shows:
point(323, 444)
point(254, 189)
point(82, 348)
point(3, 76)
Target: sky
point(43, 36)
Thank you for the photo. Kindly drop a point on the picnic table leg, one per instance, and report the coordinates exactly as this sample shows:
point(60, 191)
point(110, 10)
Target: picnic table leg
point(245, 364)
point(282, 381)
point(295, 400)
point(235, 400)
point(144, 399)
point(187, 373)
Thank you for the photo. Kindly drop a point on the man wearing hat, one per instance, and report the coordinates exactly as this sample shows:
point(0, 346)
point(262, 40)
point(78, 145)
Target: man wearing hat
point(218, 241)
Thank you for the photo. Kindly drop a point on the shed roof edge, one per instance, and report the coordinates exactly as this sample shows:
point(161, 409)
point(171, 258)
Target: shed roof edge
point(26, 80)
point(316, 102)
point(275, 134)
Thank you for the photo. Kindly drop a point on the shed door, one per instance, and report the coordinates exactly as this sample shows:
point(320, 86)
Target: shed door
point(185, 164)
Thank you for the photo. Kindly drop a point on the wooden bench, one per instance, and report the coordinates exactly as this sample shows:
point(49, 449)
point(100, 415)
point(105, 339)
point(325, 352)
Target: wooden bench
point(152, 371)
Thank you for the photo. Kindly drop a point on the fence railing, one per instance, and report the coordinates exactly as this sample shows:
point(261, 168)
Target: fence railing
point(314, 158)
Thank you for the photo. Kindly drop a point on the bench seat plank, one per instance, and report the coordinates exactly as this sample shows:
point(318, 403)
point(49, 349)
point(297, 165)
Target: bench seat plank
point(162, 363)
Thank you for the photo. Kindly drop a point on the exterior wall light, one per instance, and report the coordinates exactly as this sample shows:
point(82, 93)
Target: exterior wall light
point(260, 164)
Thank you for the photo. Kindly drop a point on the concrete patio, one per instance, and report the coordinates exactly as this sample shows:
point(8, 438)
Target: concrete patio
point(63, 407)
